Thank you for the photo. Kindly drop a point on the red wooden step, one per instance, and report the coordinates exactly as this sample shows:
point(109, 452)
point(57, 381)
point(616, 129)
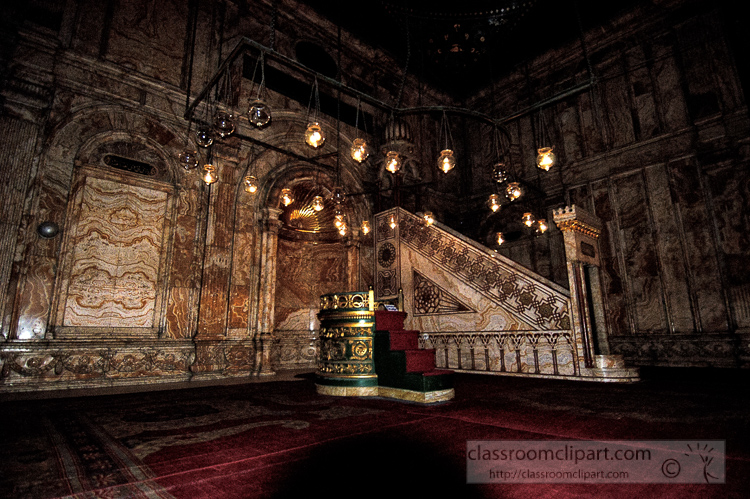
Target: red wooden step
point(386, 320)
point(420, 361)
point(404, 340)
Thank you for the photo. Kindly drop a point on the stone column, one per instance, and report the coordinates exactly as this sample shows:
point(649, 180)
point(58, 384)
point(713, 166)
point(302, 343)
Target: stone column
point(581, 232)
point(580, 235)
point(267, 292)
point(210, 339)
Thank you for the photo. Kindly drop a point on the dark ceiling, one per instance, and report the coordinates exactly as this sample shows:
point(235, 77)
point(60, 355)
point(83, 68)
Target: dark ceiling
point(460, 46)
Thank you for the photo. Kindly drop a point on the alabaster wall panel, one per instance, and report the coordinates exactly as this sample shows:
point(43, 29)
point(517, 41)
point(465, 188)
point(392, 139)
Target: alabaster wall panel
point(303, 273)
point(613, 285)
point(701, 258)
point(180, 312)
point(238, 306)
point(35, 299)
point(213, 316)
point(149, 37)
point(641, 260)
point(669, 251)
point(116, 256)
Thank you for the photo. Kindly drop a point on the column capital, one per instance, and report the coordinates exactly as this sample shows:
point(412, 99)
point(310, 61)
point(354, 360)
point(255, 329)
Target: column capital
point(576, 219)
point(271, 220)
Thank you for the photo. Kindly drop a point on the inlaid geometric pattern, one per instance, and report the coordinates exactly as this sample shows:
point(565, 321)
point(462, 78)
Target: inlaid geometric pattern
point(431, 299)
point(386, 256)
point(520, 295)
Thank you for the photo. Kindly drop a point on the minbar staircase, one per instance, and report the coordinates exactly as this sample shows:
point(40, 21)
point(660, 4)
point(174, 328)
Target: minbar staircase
point(404, 370)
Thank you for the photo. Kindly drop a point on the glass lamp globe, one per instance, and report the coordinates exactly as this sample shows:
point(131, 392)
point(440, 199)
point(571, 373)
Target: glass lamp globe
point(392, 221)
point(359, 150)
point(317, 203)
point(428, 217)
point(446, 161)
point(392, 161)
point(314, 135)
point(209, 174)
point(259, 114)
point(188, 159)
point(499, 238)
point(494, 202)
point(542, 226)
point(338, 220)
point(286, 197)
point(342, 229)
point(337, 195)
point(499, 173)
point(365, 227)
point(204, 138)
point(224, 124)
point(546, 158)
point(513, 191)
point(528, 219)
point(251, 184)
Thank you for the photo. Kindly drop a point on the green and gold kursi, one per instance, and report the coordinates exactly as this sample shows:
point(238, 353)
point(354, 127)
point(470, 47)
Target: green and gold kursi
point(347, 326)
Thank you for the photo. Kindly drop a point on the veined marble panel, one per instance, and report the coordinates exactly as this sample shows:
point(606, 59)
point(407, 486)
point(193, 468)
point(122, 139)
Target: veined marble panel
point(116, 256)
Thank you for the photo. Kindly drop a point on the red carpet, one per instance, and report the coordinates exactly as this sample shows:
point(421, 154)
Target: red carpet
point(281, 439)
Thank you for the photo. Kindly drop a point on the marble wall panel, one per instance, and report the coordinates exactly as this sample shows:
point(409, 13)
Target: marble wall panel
point(221, 215)
point(612, 274)
point(35, 299)
point(644, 107)
point(367, 265)
point(695, 223)
point(117, 248)
point(304, 273)
point(238, 307)
point(616, 112)
point(143, 38)
point(244, 256)
point(668, 85)
point(185, 271)
point(671, 256)
point(641, 261)
point(213, 307)
point(570, 129)
point(180, 312)
point(89, 25)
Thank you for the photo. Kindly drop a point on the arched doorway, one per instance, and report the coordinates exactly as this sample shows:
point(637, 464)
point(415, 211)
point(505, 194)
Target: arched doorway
point(315, 256)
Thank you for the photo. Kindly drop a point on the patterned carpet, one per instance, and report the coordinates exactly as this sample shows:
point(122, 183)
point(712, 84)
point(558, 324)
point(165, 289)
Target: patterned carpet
point(281, 439)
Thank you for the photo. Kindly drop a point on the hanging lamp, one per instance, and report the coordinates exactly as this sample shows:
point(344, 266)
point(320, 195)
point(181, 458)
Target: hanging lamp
point(314, 136)
point(259, 113)
point(446, 162)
